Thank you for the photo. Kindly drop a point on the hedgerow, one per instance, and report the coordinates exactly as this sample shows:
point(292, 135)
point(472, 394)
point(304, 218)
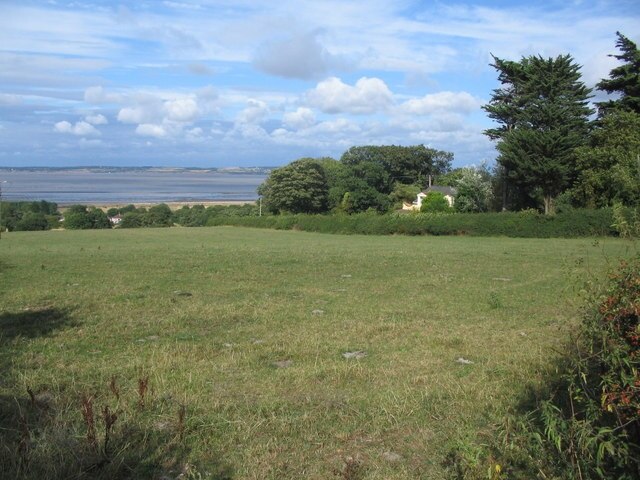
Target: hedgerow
point(574, 223)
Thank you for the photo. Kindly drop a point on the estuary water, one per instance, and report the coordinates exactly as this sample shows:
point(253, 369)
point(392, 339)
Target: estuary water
point(135, 186)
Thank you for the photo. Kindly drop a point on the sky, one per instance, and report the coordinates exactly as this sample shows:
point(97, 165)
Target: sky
point(217, 83)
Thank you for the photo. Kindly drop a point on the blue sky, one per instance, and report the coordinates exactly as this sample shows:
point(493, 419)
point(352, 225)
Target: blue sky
point(254, 82)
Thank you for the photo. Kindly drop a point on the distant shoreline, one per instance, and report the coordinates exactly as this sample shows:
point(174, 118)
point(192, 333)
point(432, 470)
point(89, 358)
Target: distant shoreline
point(172, 205)
point(114, 169)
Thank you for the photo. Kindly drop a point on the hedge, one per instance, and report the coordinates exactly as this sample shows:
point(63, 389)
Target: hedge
point(574, 223)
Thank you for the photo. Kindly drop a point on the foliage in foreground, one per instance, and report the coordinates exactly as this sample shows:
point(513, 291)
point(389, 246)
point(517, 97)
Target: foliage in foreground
point(588, 427)
point(108, 433)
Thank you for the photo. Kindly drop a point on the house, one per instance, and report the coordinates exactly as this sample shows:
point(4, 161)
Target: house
point(116, 219)
point(448, 192)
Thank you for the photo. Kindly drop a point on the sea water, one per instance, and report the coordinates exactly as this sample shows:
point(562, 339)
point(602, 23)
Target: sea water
point(127, 186)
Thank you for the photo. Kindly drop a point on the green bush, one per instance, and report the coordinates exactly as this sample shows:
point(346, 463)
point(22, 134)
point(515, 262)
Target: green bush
point(32, 221)
point(28, 215)
point(435, 202)
point(131, 220)
point(577, 223)
point(79, 217)
point(585, 423)
point(599, 430)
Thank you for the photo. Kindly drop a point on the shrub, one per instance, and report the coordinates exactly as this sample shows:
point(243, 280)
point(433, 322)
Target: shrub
point(587, 425)
point(599, 431)
point(435, 202)
point(32, 221)
point(577, 223)
point(78, 217)
point(131, 220)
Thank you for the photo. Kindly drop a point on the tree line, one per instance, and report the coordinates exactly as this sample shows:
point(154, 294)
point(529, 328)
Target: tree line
point(552, 152)
point(23, 216)
point(365, 178)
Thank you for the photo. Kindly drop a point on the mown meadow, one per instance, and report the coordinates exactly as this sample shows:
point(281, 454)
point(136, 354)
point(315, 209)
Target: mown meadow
point(249, 354)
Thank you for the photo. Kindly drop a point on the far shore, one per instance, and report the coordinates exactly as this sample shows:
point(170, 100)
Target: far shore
point(172, 205)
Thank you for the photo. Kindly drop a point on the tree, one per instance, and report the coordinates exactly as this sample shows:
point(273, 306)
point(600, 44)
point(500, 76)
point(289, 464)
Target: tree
point(300, 187)
point(412, 164)
point(76, 220)
point(624, 79)
point(131, 219)
point(32, 221)
point(474, 190)
point(357, 187)
point(159, 216)
point(336, 174)
point(404, 193)
point(78, 217)
point(435, 202)
point(98, 218)
point(542, 111)
point(610, 166)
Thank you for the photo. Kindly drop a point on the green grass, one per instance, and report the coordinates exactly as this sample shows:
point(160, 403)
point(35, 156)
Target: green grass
point(77, 308)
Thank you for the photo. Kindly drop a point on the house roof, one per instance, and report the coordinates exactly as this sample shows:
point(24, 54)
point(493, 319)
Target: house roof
point(442, 189)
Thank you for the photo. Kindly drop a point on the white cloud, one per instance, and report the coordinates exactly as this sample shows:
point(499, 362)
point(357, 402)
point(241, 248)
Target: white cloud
point(302, 118)
point(96, 119)
point(151, 130)
point(367, 96)
point(461, 102)
point(139, 114)
point(189, 6)
point(249, 131)
point(194, 135)
point(299, 56)
point(255, 112)
point(339, 125)
point(98, 95)
point(81, 128)
point(181, 109)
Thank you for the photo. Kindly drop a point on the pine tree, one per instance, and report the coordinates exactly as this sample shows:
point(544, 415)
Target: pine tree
point(542, 110)
point(624, 79)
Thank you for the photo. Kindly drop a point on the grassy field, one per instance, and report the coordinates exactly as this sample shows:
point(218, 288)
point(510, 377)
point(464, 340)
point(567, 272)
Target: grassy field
point(243, 331)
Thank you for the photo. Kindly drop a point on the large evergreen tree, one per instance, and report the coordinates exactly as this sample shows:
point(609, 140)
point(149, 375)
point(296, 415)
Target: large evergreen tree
point(542, 111)
point(623, 80)
point(610, 166)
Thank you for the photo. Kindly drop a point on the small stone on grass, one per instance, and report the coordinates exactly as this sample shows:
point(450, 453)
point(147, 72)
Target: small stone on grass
point(181, 293)
point(283, 363)
point(392, 457)
point(464, 361)
point(357, 354)
point(317, 312)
